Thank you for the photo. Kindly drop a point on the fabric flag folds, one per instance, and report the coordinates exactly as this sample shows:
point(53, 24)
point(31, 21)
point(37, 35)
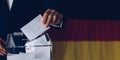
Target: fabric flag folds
point(87, 40)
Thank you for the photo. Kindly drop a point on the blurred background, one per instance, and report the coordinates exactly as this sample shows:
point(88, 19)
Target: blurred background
point(91, 9)
point(91, 32)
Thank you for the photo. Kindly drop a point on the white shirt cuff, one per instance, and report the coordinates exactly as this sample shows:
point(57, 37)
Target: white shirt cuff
point(58, 25)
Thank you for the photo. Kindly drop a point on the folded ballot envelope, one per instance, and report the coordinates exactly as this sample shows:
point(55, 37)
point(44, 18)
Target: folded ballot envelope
point(34, 28)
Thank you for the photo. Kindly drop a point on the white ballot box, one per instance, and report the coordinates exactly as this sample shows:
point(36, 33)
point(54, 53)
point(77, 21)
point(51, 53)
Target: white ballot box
point(42, 53)
point(38, 49)
point(38, 45)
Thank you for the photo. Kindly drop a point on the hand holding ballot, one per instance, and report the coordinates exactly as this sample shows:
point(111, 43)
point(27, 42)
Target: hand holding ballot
point(52, 17)
point(38, 25)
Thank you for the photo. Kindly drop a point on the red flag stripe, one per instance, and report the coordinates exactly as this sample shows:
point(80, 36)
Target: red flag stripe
point(88, 30)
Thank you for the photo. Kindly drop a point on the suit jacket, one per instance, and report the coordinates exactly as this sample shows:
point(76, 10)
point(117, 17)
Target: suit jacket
point(21, 13)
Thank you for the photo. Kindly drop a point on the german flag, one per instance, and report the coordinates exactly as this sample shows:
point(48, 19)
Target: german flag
point(87, 40)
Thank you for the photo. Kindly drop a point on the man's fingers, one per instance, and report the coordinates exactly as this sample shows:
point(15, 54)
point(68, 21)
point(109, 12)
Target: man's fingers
point(45, 15)
point(59, 19)
point(55, 17)
point(1, 54)
point(50, 18)
point(2, 51)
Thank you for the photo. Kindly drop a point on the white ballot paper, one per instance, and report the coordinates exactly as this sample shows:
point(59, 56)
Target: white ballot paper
point(34, 28)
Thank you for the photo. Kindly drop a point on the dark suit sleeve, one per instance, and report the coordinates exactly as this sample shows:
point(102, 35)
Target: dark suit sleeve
point(43, 5)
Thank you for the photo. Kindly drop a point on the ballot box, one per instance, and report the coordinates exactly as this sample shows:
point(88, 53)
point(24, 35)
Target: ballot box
point(42, 53)
point(32, 43)
point(37, 49)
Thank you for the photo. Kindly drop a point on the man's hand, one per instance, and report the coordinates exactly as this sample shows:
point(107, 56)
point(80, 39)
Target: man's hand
point(2, 49)
point(52, 17)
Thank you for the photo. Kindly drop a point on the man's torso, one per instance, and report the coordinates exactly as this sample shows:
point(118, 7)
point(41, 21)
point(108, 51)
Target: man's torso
point(22, 12)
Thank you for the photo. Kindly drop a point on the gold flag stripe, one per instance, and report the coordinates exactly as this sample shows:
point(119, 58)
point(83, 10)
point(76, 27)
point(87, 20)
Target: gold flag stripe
point(86, 50)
